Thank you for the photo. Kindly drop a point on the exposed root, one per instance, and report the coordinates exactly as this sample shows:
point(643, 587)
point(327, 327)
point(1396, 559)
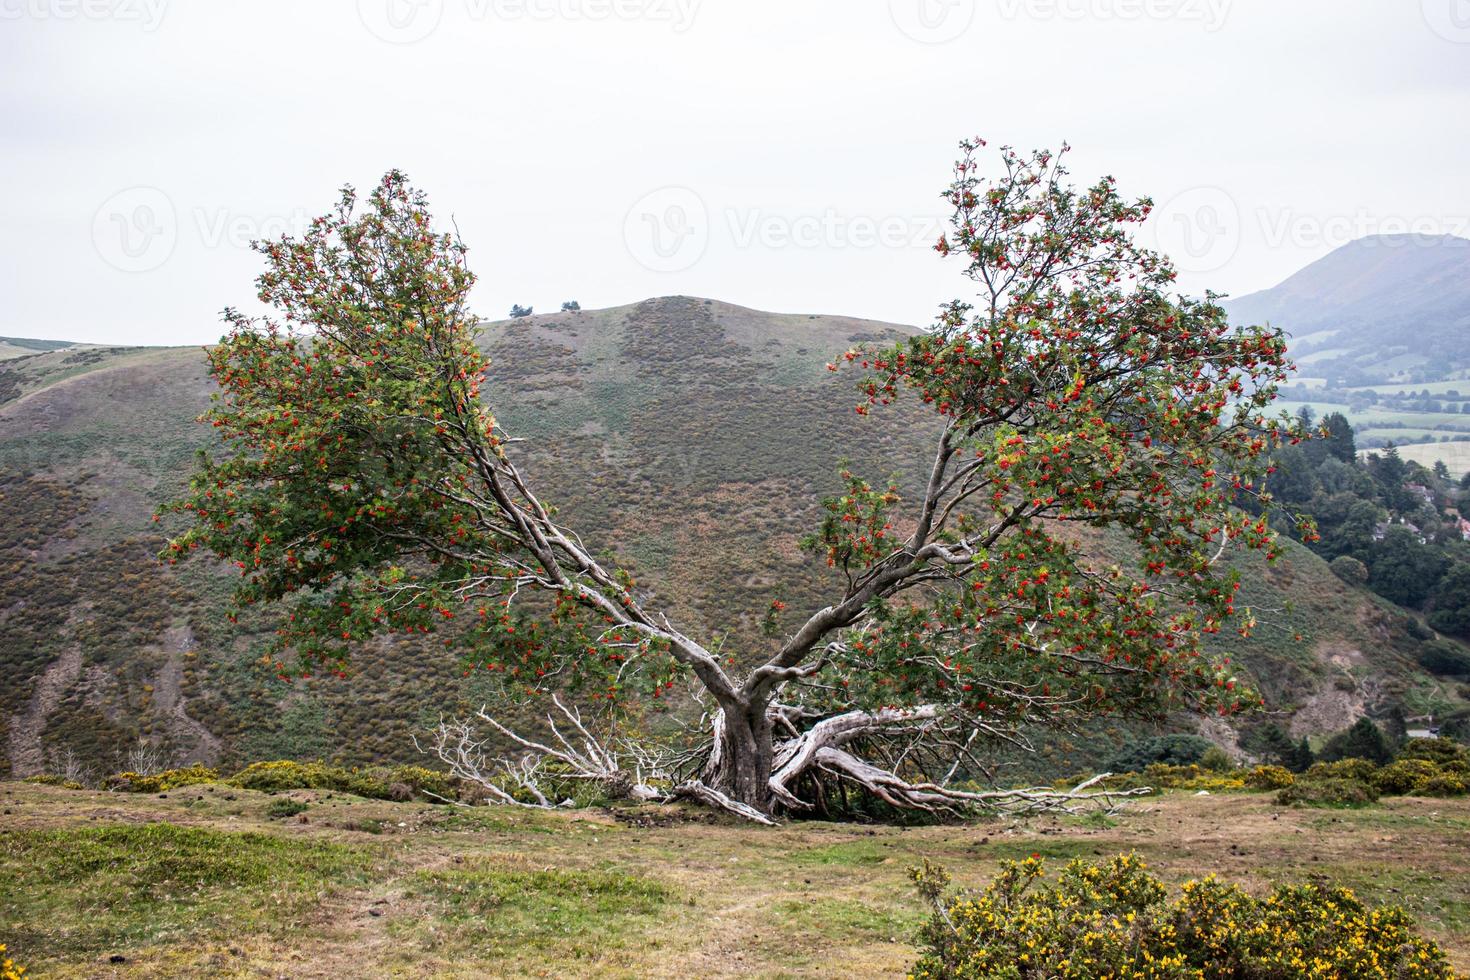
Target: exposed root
point(695, 790)
point(825, 752)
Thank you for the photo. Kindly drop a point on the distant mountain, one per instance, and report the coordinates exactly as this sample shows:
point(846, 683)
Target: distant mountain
point(692, 438)
point(22, 347)
point(1390, 308)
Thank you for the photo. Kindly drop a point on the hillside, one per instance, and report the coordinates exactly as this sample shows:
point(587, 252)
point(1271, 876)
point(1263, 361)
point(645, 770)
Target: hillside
point(692, 438)
point(21, 347)
point(1381, 330)
point(1375, 311)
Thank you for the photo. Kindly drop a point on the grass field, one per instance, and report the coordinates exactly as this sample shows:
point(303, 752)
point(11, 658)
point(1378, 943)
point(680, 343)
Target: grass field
point(1456, 455)
point(1433, 387)
point(203, 881)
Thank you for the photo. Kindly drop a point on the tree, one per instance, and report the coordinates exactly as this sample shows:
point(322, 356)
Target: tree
point(367, 488)
point(1451, 601)
point(1403, 569)
point(571, 306)
point(1176, 749)
point(1364, 740)
point(1445, 659)
point(517, 311)
point(1271, 744)
point(1339, 439)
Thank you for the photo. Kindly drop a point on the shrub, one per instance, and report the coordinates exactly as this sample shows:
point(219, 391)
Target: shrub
point(1359, 769)
point(1269, 777)
point(1217, 759)
point(160, 782)
point(1404, 777)
point(1443, 752)
point(1112, 919)
point(47, 779)
point(401, 783)
point(1350, 570)
point(1327, 792)
point(281, 809)
point(8, 969)
point(1442, 785)
point(273, 777)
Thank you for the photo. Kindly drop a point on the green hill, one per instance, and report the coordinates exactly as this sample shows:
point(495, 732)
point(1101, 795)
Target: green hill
point(1380, 310)
point(690, 437)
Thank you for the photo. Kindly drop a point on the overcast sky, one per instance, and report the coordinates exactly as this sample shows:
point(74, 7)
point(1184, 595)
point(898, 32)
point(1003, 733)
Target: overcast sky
point(781, 154)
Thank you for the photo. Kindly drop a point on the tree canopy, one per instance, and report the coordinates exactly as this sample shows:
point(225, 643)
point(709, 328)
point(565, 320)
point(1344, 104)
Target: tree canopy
point(364, 485)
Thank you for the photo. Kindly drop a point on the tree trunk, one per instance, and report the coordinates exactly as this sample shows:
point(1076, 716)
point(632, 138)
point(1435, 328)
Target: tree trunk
point(740, 763)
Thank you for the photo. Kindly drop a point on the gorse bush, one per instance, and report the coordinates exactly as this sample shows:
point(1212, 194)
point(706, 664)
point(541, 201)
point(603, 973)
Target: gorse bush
point(1445, 753)
point(8, 969)
point(1113, 919)
point(1269, 777)
point(1328, 792)
point(400, 783)
point(47, 779)
point(160, 782)
point(1359, 769)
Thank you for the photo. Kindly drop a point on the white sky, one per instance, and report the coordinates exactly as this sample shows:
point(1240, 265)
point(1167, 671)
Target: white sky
point(788, 153)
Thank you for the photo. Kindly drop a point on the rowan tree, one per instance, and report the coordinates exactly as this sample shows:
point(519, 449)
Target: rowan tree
point(365, 487)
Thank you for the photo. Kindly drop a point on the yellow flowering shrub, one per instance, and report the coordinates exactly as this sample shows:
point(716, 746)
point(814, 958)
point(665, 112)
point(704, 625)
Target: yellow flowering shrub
point(1269, 777)
point(379, 782)
point(1360, 769)
point(160, 782)
point(8, 969)
point(1112, 920)
point(1403, 777)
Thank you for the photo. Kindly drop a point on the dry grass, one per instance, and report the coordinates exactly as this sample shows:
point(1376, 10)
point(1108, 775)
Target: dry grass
point(413, 890)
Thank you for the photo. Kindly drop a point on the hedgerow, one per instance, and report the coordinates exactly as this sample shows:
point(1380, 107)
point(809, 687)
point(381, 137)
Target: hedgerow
point(1113, 919)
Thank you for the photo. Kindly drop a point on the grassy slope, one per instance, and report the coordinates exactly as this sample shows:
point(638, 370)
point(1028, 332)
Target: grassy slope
point(693, 439)
point(205, 882)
